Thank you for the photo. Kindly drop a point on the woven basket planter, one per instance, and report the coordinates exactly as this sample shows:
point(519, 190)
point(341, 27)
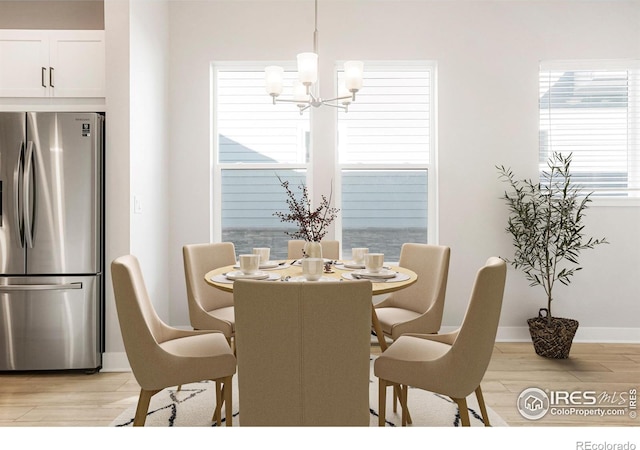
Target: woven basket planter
point(552, 340)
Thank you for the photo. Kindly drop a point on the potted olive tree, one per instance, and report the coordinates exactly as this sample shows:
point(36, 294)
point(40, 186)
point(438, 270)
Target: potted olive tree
point(546, 224)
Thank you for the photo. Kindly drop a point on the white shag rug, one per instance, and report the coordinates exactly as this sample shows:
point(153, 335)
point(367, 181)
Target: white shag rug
point(192, 406)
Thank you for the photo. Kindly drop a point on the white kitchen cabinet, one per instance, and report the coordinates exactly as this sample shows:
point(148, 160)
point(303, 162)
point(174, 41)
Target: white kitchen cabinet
point(52, 63)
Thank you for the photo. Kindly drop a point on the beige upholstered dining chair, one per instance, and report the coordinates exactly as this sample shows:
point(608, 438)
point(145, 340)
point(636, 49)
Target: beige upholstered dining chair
point(209, 308)
point(418, 308)
point(330, 249)
point(451, 364)
point(162, 356)
point(303, 352)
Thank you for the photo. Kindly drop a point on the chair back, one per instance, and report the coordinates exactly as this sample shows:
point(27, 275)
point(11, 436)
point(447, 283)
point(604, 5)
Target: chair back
point(303, 352)
point(472, 349)
point(431, 264)
point(198, 260)
point(141, 327)
point(330, 249)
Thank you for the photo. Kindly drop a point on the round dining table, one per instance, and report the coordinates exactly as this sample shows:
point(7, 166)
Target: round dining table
point(338, 272)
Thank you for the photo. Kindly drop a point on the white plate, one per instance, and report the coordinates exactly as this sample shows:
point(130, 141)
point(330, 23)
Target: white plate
point(269, 265)
point(265, 266)
point(223, 279)
point(238, 275)
point(299, 261)
point(383, 273)
point(398, 277)
point(350, 265)
point(302, 278)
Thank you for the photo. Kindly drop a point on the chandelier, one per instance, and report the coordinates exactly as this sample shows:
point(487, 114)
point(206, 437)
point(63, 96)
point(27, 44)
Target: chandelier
point(305, 89)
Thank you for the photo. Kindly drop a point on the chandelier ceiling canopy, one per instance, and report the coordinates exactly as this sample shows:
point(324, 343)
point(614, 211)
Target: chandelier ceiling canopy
point(305, 93)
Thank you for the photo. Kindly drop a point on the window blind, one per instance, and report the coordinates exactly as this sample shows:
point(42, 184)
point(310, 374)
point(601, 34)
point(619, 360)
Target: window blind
point(389, 123)
point(591, 109)
point(250, 128)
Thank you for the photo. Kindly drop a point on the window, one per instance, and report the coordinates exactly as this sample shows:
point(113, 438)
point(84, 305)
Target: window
point(254, 142)
point(384, 157)
point(591, 109)
point(385, 148)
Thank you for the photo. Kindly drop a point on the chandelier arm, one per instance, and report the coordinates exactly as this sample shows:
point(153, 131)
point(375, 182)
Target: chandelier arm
point(303, 108)
point(344, 97)
point(333, 105)
point(290, 100)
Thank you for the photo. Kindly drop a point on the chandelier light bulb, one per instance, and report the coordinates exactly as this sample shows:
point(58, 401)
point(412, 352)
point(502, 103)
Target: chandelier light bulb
point(307, 68)
point(300, 92)
point(273, 76)
point(353, 71)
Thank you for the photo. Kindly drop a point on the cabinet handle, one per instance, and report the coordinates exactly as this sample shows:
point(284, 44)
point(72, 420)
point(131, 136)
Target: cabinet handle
point(51, 77)
point(44, 69)
point(40, 287)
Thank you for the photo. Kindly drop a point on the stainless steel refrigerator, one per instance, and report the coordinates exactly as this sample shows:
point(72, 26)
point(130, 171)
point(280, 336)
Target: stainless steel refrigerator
point(51, 241)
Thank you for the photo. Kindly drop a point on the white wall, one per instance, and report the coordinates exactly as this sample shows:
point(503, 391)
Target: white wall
point(117, 165)
point(137, 153)
point(488, 54)
point(149, 146)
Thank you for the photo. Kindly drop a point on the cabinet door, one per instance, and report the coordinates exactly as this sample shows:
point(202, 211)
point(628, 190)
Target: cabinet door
point(77, 63)
point(24, 63)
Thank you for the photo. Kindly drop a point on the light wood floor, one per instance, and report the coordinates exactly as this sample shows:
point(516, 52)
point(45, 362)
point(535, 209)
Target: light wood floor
point(77, 399)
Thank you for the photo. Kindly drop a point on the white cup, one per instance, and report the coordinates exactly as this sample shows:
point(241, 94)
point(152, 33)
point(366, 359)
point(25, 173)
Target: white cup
point(263, 252)
point(249, 264)
point(357, 254)
point(373, 262)
point(312, 268)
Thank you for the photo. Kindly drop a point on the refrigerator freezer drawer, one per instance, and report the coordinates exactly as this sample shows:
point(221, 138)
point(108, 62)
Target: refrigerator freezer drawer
point(49, 323)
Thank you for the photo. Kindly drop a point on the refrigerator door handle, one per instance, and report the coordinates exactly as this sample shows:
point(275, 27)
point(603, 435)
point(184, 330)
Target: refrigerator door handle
point(40, 287)
point(17, 210)
point(29, 209)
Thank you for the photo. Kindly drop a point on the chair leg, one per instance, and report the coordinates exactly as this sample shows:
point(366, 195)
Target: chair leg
point(143, 407)
point(395, 399)
point(483, 408)
point(403, 401)
point(382, 402)
point(228, 400)
point(464, 411)
point(217, 411)
point(397, 394)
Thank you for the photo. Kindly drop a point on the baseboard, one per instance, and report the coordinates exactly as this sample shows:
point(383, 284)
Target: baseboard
point(584, 334)
point(115, 362)
point(118, 362)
